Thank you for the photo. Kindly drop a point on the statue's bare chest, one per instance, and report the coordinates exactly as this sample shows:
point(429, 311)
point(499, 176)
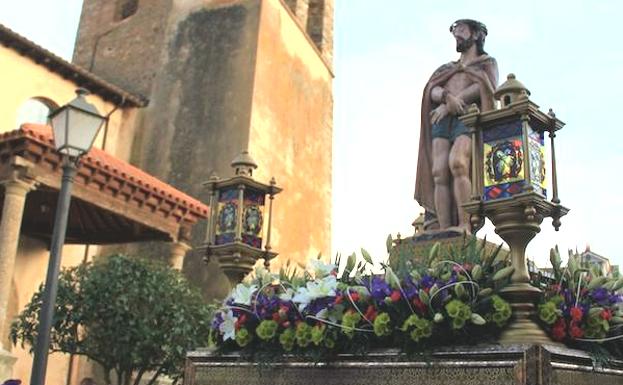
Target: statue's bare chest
point(458, 82)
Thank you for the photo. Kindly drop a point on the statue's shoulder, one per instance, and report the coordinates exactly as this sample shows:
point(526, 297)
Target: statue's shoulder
point(486, 61)
point(446, 67)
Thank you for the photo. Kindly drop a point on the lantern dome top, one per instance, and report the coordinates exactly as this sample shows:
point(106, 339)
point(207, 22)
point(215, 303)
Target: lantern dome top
point(243, 164)
point(511, 90)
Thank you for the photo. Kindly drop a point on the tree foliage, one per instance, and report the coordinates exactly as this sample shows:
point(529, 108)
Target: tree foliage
point(130, 315)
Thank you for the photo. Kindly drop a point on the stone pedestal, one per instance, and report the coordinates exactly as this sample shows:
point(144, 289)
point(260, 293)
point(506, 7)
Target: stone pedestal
point(480, 365)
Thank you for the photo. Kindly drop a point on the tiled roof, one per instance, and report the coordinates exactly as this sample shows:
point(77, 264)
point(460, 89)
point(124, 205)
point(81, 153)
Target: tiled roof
point(128, 173)
point(74, 73)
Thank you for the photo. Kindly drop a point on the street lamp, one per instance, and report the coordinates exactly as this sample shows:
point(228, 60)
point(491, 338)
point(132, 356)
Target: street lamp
point(75, 127)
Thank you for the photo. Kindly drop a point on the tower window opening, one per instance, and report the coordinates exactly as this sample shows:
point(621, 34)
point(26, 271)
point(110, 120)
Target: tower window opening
point(126, 8)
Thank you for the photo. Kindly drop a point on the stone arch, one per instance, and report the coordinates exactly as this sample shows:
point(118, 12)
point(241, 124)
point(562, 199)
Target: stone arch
point(35, 110)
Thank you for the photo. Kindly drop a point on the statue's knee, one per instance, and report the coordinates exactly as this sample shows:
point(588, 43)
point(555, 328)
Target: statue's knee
point(459, 167)
point(441, 177)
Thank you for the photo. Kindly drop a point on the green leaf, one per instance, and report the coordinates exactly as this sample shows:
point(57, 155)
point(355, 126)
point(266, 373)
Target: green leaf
point(476, 272)
point(503, 273)
point(596, 282)
point(477, 319)
point(389, 243)
point(366, 257)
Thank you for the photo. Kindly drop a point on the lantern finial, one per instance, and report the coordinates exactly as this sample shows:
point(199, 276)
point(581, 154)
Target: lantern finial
point(243, 164)
point(510, 91)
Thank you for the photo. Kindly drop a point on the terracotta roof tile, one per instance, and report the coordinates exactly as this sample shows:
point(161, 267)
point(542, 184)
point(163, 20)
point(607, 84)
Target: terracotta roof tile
point(101, 159)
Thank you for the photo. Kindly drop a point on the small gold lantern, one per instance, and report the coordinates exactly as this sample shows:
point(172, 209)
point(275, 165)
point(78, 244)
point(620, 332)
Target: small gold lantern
point(236, 221)
point(509, 188)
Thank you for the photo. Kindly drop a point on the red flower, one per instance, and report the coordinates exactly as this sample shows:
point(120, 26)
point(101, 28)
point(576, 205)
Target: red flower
point(576, 313)
point(575, 331)
point(371, 313)
point(558, 331)
point(354, 296)
point(241, 320)
point(606, 314)
point(395, 296)
point(338, 299)
point(419, 305)
point(276, 317)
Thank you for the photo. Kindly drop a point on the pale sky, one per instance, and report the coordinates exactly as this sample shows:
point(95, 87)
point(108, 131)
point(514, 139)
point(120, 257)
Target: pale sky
point(567, 53)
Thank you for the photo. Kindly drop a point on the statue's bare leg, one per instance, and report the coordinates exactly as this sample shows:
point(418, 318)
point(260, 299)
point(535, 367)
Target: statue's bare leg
point(459, 162)
point(441, 178)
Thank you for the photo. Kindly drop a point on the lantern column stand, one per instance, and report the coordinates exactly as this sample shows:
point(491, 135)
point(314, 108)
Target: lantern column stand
point(514, 200)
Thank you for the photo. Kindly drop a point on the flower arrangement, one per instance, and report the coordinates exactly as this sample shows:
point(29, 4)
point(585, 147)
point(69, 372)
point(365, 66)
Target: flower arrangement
point(451, 297)
point(582, 306)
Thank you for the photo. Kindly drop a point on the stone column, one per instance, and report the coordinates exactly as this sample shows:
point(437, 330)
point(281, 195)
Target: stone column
point(178, 252)
point(15, 191)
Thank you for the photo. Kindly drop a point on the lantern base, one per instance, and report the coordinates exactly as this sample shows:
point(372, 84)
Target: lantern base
point(517, 220)
point(522, 328)
point(236, 259)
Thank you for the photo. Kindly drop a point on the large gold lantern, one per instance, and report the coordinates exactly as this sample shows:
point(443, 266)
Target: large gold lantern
point(236, 224)
point(509, 187)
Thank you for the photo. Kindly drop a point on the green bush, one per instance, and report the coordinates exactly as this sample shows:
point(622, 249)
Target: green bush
point(130, 315)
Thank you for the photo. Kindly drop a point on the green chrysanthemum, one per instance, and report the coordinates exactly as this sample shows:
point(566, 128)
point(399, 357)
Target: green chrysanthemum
point(548, 312)
point(349, 323)
point(502, 311)
point(266, 330)
point(243, 337)
point(597, 326)
point(287, 339)
point(417, 327)
point(382, 325)
point(303, 334)
point(317, 334)
point(459, 312)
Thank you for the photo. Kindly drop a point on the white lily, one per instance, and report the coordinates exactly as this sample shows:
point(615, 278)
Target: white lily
point(228, 326)
point(315, 289)
point(263, 276)
point(320, 268)
point(242, 294)
point(287, 296)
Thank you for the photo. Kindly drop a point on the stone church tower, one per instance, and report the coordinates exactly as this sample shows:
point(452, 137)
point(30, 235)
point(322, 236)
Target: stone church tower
point(222, 76)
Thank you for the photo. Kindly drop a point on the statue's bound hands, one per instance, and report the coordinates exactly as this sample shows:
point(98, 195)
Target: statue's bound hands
point(455, 105)
point(438, 113)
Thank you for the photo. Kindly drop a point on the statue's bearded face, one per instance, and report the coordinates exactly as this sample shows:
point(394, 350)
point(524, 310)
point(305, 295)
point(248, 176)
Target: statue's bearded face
point(464, 37)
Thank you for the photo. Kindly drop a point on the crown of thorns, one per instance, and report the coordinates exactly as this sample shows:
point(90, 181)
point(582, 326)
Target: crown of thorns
point(474, 25)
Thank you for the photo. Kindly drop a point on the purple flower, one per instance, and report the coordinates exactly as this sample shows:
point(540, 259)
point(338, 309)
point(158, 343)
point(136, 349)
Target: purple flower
point(615, 298)
point(410, 288)
point(379, 289)
point(217, 321)
point(318, 304)
point(601, 296)
point(427, 281)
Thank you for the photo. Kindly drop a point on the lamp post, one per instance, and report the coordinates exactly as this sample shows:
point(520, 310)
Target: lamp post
point(75, 127)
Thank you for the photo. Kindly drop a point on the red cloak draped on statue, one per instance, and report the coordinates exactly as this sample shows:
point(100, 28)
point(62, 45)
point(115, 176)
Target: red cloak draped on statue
point(424, 186)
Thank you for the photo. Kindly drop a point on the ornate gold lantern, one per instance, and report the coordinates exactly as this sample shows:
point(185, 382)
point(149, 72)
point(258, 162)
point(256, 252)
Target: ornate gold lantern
point(509, 188)
point(237, 217)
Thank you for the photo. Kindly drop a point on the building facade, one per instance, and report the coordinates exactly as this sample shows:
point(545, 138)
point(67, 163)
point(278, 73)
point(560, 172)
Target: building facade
point(224, 76)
